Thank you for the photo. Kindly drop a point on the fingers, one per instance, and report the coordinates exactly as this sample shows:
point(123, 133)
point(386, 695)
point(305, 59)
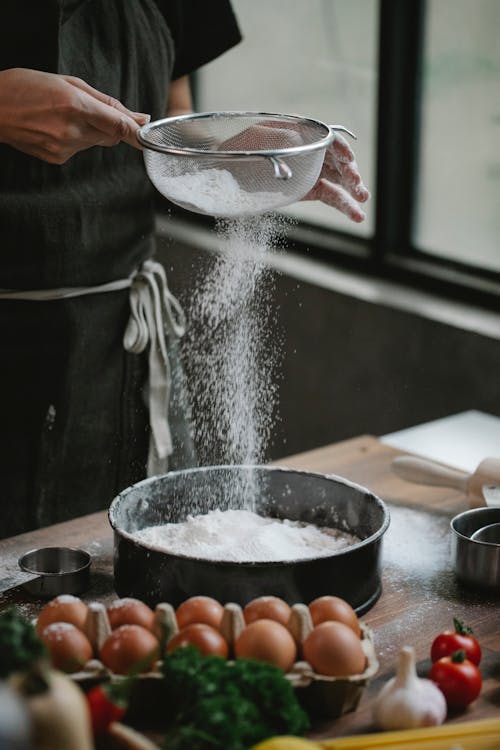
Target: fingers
point(262, 137)
point(350, 179)
point(340, 184)
point(341, 149)
point(340, 166)
point(334, 195)
point(108, 116)
point(112, 124)
point(140, 117)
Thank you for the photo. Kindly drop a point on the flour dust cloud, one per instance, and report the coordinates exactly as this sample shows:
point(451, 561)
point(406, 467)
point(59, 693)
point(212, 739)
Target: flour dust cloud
point(233, 350)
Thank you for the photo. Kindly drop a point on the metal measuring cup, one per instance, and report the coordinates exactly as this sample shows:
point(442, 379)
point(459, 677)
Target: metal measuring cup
point(47, 572)
point(489, 534)
point(476, 562)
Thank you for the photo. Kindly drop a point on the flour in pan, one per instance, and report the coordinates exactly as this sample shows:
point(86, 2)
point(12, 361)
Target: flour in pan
point(244, 536)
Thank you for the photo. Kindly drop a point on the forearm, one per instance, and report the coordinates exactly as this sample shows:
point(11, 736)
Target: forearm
point(180, 100)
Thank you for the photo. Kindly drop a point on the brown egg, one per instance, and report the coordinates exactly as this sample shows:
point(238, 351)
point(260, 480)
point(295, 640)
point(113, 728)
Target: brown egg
point(327, 608)
point(64, 608)
point(267, 608)
point(332, 648)
point(199, 609)
point(68, 647)
point(207, 640)
point(267, 640)
point(130, 648)
point(129, 611)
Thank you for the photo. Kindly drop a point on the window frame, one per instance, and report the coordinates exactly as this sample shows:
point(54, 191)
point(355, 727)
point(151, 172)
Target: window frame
point(400, 62)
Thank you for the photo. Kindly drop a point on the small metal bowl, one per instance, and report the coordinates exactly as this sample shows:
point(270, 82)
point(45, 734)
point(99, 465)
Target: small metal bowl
point(476, 563)
point(489, 534)
point(50, 571)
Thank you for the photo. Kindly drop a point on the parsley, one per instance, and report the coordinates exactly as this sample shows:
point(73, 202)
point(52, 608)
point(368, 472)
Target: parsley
point(215, 704)
point(19, 643)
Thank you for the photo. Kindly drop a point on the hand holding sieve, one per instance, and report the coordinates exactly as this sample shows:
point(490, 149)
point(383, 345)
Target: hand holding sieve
point(232, 164)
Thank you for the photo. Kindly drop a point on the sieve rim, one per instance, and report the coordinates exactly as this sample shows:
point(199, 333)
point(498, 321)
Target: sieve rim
point(143, 132)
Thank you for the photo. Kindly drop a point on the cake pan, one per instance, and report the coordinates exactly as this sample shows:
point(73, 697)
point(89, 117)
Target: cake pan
point(353, 573)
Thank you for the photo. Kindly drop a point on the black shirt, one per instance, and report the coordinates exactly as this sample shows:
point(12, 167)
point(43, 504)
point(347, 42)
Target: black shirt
point(201, 31)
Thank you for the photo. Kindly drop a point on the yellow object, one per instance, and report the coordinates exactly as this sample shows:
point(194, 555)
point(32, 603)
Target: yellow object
point(286, 742)
point(482, 734)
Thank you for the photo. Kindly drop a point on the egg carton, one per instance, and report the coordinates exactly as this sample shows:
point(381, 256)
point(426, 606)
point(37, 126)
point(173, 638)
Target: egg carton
point(321, 695)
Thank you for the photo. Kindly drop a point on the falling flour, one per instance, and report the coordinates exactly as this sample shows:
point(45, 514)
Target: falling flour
point(231, 351)
point(244, 536)
point(218, 193)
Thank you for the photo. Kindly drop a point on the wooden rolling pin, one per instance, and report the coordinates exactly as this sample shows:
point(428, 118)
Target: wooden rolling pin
point(482, 487)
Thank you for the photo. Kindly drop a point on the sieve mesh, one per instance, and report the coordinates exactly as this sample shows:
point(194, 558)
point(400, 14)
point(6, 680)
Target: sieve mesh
point(233, 163)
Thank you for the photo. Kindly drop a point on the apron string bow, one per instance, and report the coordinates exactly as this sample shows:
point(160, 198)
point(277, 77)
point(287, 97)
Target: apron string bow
point(155, 314)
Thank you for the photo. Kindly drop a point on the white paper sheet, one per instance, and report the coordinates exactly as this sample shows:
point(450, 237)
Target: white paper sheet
point(460, 440)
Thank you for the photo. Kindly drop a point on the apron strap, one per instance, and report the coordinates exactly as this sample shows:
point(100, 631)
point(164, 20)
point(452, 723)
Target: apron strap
point(155, 314)
point(45, 295)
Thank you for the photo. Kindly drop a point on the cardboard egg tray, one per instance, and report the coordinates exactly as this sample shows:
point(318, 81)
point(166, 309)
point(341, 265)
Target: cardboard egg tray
point(321, 695)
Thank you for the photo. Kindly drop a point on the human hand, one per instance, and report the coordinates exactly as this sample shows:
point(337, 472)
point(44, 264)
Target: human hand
point(265, 136)
point(340, 184)
point(52, 116)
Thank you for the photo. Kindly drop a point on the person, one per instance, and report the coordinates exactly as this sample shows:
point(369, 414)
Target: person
point(78, 279)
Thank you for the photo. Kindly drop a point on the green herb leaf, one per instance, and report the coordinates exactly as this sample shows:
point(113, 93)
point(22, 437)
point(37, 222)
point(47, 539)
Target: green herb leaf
point(461, 628)
point(20, 646)
point(215, 704)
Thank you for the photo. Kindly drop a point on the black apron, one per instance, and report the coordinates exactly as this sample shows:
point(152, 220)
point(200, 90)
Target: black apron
point(73, 416)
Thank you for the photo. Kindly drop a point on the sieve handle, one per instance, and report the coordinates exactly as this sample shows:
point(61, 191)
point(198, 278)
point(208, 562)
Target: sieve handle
point(342, 129)
point(281, 170)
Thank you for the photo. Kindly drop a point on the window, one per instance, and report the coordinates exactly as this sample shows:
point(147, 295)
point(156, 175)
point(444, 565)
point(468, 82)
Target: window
point(418, 82)
point(458, 214)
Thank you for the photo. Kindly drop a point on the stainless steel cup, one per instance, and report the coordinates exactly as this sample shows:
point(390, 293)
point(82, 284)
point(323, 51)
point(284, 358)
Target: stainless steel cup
point(50, 571)
point(476, 563)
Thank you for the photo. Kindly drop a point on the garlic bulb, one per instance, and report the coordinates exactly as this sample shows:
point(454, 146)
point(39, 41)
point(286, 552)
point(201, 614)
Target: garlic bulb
point(409, 701)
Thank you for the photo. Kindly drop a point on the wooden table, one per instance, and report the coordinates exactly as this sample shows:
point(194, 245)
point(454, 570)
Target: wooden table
point(420, 595)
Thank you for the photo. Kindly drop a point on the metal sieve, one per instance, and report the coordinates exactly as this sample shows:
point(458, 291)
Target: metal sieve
point(230, 164)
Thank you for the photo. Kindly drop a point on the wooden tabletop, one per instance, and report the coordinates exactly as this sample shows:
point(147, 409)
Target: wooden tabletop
point(420, 594)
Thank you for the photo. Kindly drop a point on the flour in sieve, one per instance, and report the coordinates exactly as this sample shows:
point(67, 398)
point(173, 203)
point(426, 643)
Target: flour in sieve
point(244, 536)
point(216, 192)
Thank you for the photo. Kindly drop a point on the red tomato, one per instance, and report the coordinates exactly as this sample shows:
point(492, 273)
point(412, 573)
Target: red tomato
point(455, 640)
point(208, 640)
point(458, 679)
point(103, 710)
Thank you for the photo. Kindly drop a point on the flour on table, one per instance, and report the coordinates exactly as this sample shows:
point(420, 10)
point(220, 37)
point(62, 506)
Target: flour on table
point(244, 536)
point(216, 192)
